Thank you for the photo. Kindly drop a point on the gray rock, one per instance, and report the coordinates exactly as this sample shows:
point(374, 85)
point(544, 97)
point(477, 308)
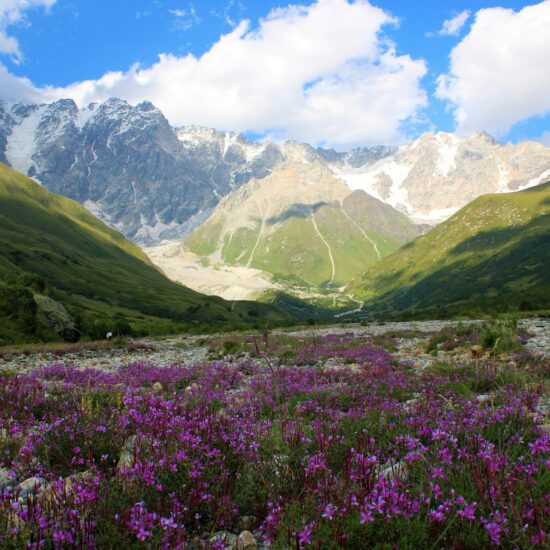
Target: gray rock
point(246, 523)
point(229, 539)
point(54, 316)
point(30, 488)
point(7, 480)
point(127, 454)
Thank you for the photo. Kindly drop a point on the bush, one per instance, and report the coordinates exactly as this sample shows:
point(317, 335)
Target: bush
point(501, 335)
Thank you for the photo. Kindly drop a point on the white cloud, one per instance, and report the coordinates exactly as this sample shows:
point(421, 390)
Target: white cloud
point(453, 26)
point(11, 12)
point(321, 73)
point(13, 88)
point(178, 13)
point(544, 138)
point(498, 71)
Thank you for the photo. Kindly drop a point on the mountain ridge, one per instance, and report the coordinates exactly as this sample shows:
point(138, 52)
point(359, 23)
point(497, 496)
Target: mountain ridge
point(299, 227)
point(492, 255)
point(156, 183)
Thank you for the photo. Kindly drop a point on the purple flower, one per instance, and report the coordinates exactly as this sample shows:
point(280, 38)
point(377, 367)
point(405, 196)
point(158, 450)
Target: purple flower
point(304, 536)
point(494, 530)
point(329, 511)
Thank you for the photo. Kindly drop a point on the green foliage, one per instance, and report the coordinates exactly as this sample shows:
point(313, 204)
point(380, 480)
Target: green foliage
point(294, 248)
point(52, 244)
point(500, 335)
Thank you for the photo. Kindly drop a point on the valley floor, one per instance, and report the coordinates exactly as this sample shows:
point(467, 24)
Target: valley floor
point(188, 350)
point(228, 282)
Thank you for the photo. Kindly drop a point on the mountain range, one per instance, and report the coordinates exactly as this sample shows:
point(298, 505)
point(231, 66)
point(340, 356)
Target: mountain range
point(299, 227)
point(284, 223)
point(157, 183)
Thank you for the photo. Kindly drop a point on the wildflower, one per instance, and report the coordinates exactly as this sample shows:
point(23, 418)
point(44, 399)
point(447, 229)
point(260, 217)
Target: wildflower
point(329, 511)
point(540, 445)
point(495, 531)
point(468, 512)
point(304, 536)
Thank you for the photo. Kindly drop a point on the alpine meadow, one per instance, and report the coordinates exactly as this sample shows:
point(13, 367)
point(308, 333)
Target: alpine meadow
point(274, 275)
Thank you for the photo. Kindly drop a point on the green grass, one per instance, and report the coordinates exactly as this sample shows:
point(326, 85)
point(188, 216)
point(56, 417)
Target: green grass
point(94, 271)
point(289, 245)
point(491, 256)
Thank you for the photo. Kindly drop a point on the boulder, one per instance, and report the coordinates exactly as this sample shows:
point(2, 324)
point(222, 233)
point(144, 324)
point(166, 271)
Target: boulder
point(127, 454)
point(54, 316)
point(246, 541)
point(30, 488)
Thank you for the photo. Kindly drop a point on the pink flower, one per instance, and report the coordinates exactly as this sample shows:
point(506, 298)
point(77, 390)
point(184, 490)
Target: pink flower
point(304, 536)
point(329, 511)
point(494, 530)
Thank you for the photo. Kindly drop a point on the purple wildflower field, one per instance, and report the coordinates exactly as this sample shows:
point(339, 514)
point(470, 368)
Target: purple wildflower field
point(334, 444)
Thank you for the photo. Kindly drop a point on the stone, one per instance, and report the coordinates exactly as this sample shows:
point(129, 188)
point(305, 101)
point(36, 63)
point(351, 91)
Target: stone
point(7, 480)
point(51, 490)
point(127, 454)
point(394, 471)
point(54, 316)
point(30, 488)
point(246, 541)
point(229, 539)
point(246, 523)
point(484, 397)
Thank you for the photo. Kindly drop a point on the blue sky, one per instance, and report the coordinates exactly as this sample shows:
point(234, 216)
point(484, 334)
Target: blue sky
point(51, 46)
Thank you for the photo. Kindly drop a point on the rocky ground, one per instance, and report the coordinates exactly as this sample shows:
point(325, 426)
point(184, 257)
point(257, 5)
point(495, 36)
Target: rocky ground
point(411, 338)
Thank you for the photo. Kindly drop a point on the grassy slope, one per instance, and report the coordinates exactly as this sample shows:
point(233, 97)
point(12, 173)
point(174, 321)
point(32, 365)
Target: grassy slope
point(92, 267)
point(294, 248)
point(494, 254)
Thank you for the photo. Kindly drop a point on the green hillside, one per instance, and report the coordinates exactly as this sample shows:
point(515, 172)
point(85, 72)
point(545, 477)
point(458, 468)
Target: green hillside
point(491, 256)
point(93, 270)
point(301, 222)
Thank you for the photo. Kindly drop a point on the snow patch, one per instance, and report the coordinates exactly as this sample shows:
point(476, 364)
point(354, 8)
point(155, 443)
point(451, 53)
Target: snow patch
point(435, 216)
point(94, 208)
point(536, 181)
point(229, 138)
point(21, 142)
point(365, 179)
point(447, 149)
point(83, 116)
point(135, 192)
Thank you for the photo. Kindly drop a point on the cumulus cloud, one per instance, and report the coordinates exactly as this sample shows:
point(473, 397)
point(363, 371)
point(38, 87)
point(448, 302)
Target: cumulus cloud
point(14, 89)
point(322, 73)
point(453, 26)
point(498, 73)
point(11, 12)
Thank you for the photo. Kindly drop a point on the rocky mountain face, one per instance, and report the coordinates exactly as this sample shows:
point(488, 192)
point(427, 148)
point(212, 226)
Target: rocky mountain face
point(300, 222)
point(154, 182)
point(128, 165)
point(430, 178)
